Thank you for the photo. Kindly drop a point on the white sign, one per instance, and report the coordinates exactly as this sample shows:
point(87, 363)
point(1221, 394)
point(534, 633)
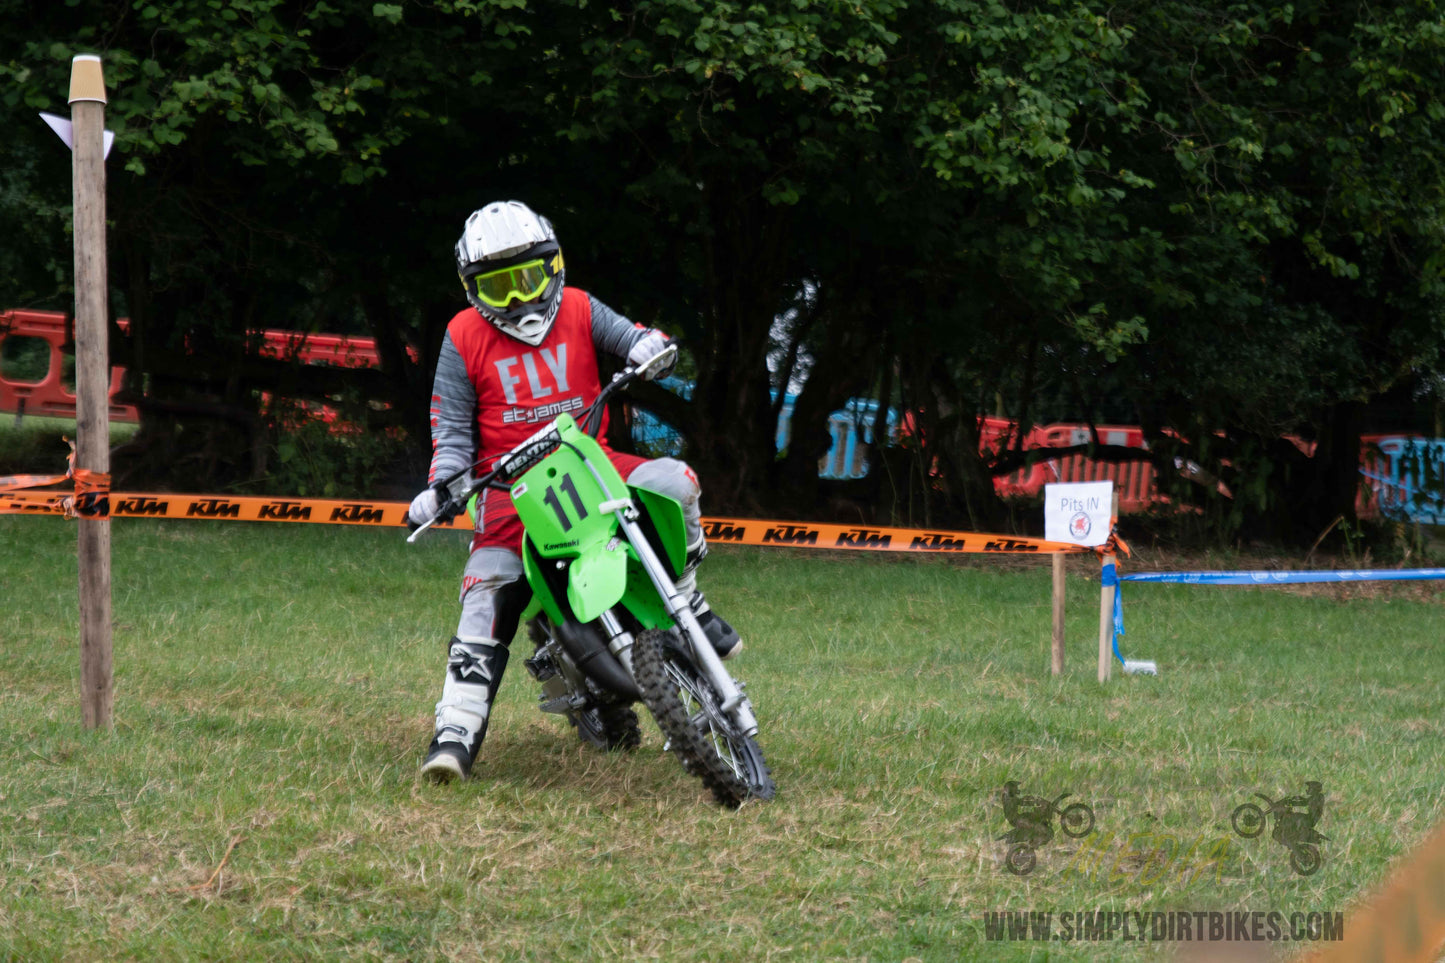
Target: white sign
point(62, 128)
point(1078, 512)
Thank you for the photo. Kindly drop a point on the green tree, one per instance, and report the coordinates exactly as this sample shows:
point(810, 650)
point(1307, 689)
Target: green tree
point(1296, 151)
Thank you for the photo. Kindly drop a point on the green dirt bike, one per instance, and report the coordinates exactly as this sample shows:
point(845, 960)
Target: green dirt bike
point(609, 625)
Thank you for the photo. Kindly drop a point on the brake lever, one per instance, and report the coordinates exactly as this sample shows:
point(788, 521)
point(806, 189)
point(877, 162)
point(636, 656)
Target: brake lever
point(445, 512)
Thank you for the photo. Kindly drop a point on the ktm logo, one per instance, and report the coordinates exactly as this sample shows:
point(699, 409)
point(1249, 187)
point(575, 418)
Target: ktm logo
point(1009, 545)
point(791, 535)
point(862, 538)
point(721, 532)
point(213, 508)
point(142, 506)
point(934, 542)
point(285, 512)
point(357, 513)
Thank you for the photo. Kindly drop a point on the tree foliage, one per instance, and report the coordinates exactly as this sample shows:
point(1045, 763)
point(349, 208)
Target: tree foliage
point(1221, 221)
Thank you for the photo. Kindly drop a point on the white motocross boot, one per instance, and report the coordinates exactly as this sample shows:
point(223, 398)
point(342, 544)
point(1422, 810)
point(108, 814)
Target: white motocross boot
point(724, 638)
point(474, 671)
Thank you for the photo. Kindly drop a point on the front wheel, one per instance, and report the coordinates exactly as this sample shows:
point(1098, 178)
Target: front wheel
point(1247, 820)
point(1077, 820)
point(687, 711)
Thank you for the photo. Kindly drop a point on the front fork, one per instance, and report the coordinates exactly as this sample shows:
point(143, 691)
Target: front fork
point(734, 703)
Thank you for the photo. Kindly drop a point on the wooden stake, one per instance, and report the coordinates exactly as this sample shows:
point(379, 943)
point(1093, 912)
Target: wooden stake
point(1058, 649)
point(1106, 606)
point(92, 381)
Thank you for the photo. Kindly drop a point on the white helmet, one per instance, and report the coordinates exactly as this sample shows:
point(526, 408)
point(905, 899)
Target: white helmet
point(511, 267)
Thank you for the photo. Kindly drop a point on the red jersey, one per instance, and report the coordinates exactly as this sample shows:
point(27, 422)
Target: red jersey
point(518, 387)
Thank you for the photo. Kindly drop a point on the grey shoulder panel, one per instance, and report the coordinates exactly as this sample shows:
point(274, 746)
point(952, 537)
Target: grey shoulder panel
point(453, 414)
point(612, 332)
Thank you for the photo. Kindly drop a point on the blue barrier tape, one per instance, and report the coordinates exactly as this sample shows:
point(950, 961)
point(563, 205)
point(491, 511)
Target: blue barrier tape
point(1286, 578)
point(1112, 577)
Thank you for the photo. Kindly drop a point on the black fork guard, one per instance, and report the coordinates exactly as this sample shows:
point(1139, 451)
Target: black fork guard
point(583, 643)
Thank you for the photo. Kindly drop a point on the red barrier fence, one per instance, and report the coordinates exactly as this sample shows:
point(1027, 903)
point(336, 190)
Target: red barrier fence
point(1134, 481)
point(53, 393)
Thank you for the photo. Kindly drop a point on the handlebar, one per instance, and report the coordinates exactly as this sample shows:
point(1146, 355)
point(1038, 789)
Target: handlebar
point(460, 488)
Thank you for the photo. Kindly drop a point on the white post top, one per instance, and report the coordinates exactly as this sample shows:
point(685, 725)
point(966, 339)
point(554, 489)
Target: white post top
point(87, 80)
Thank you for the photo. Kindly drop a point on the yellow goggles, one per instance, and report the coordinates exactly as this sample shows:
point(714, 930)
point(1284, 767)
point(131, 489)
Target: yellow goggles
point(520, 282)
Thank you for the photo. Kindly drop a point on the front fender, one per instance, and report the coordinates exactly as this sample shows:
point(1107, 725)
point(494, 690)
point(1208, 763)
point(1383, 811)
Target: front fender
point(596, 579)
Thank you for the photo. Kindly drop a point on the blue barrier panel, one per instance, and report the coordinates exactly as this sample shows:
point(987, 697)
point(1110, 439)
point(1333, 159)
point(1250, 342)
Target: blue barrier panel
point(846, 456)
point(1409, 484)
point(1111, 576)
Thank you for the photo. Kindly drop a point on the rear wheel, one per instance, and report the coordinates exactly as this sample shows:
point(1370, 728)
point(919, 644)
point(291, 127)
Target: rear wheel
point(608, 727)
point(1305, 859)
point(1021, 859)
point(687, 711)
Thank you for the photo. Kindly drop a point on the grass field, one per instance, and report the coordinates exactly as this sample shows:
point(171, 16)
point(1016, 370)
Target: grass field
point(257, 797)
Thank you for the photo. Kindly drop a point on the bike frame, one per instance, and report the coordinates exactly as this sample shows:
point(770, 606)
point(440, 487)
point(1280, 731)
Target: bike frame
point(582, 518)
point(584, 523)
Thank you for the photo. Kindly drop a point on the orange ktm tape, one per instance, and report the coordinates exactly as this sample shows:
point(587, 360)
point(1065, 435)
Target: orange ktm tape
point(1405, 921)
point(753, 531)
point(32, 503)
point(325, 511)
point(10, 483)
point(736, 531)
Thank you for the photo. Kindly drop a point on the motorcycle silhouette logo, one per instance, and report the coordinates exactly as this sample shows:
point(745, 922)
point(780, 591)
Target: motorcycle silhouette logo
point(1294, 825)
point(1032, 819)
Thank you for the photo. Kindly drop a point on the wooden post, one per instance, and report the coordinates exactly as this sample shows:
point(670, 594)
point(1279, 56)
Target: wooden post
point(1058, 650)
point(1106, 605)
point(92, 381)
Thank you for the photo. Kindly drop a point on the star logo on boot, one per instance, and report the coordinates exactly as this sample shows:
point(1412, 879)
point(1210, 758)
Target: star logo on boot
point(465, 664)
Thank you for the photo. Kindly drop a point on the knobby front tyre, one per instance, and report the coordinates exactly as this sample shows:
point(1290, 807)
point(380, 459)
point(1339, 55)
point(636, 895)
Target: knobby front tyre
point(1077, 820)
point(685, 706)
point(1247, 820)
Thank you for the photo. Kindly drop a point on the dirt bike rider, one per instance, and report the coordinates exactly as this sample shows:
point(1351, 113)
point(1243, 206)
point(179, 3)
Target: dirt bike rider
point(524, 351)
point(1291, 827)
point(1030, 816)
